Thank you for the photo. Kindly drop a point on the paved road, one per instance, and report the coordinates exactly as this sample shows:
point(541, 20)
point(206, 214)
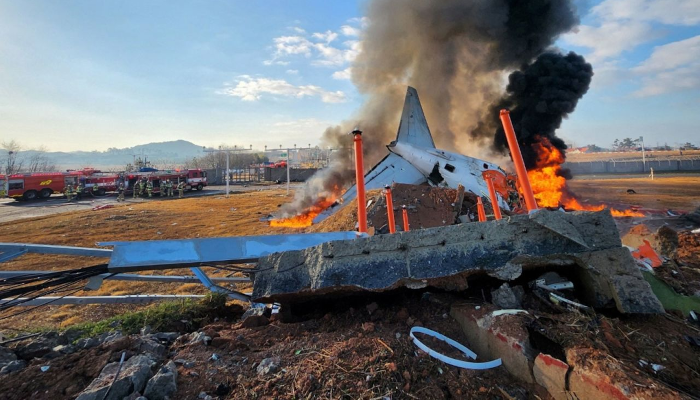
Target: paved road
point(11, 210)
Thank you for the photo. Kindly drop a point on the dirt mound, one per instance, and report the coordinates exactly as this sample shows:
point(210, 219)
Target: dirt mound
point(427, 207)
point(688, 251)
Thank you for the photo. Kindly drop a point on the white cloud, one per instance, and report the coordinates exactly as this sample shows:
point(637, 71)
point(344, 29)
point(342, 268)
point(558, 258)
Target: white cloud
point(326, 36)
point(610, 38)
point(285, 45)
point(345, 74)
point(669, 12)
point(622, 25)
point(252, 89)
point(671, 55)
point(330, 56)
point(292, 71)
point(348, 30)
point(275, 62)
point(325, 53)
point(298, 30)
point(670, 68)
point(363, 21)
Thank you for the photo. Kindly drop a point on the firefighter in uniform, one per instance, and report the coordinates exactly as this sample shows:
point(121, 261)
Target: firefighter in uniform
point(95, 189)
point(137, 188)
point(79, 191)
point(162, 188)
point(143, 187)
point(169, 186)
point(120, 190)
point(149, 188)
point(181, 189)
point(68, 190)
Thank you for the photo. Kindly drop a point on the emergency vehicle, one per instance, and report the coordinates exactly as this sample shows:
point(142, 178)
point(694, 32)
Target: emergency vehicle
point(40, 185)
point(195, 179)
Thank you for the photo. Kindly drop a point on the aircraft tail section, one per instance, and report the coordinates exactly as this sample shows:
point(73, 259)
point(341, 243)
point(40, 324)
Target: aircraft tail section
point(413, 128)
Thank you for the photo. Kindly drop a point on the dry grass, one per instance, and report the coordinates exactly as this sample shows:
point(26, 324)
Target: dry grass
point(632, 155)
point(236, 216)
point(677, 193)
point(155, 220)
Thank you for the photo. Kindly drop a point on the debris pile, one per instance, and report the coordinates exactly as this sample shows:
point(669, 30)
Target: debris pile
point(427, 207)
point(581, 244)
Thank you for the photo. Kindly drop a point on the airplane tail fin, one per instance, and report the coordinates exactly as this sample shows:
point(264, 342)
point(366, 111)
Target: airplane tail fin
point(413, 128)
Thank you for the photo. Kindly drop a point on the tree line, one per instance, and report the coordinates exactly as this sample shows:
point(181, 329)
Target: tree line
point(15, 160)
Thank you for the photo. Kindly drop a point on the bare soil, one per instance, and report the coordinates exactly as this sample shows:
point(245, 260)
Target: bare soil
point(663, 193)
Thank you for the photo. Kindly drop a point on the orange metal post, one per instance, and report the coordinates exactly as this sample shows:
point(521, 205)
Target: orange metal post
point(518, 161)
point(406, 227)
point(480, 209)
point(494, 199)
point(390, 209)
point(360, 182)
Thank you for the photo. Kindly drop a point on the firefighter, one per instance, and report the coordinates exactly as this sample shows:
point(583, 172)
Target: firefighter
point(162, 188)
point(68, 190)
point(79, 191)
point(169, 186)
point(137, 185)
point(95, 189)
point(143, 187)
point(149, 188)
point(120, 190)
point(181, 189)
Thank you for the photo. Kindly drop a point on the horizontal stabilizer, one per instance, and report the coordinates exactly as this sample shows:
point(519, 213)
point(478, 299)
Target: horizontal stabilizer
point(413, 128)
point(391, 169)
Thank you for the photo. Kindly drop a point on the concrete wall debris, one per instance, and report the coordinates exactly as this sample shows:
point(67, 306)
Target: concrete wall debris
point(445, 257)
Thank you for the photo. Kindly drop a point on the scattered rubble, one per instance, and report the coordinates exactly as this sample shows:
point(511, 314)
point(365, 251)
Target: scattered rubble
point(582, 243)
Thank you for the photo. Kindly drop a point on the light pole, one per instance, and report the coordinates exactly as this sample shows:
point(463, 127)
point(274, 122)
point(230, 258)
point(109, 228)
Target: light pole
point(228, 154)
point(644, 159)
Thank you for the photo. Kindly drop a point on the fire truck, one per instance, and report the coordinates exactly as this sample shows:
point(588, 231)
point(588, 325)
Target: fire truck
point(39, 185)
point(195, 179)
point(42, 185)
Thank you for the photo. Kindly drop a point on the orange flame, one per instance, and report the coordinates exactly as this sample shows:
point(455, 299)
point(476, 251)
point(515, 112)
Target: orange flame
point(306, 217)
point(550, 187)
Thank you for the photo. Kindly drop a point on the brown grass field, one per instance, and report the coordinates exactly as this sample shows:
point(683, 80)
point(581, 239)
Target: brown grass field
point(239, 215)
point(632, 155)
point(680, 193)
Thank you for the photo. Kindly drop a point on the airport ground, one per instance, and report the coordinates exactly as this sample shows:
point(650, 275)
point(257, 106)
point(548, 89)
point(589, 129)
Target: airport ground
point(210, 214)
point(345, 352)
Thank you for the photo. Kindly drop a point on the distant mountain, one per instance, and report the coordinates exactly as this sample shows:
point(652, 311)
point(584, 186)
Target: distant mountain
point(161, 155)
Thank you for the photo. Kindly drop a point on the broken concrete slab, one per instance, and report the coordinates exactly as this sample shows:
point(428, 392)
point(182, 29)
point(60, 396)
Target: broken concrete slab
point(596, 375)
point(506, 297)
point(132, 378)
point(501, 337)
point(445, 257)
point(551, 373)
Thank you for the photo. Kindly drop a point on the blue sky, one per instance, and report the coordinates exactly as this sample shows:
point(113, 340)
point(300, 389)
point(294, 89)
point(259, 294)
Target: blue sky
point(89, 75)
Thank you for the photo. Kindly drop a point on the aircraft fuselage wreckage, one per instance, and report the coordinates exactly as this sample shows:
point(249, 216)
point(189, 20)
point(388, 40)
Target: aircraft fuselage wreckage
point(414, 160)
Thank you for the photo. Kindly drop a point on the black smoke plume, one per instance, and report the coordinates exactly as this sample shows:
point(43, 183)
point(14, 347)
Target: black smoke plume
point(539, 96)
point(455, 53)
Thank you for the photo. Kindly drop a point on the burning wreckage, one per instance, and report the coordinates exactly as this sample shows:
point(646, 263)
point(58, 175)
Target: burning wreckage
point(570, 260)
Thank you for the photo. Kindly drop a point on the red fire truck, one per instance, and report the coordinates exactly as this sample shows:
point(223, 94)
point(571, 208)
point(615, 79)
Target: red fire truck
point(43, 185)
point(37, 185)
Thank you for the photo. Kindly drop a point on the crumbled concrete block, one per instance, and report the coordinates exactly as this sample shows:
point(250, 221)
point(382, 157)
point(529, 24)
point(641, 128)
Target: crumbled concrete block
point(501, 337)
point(551, 374)
point(445, 257)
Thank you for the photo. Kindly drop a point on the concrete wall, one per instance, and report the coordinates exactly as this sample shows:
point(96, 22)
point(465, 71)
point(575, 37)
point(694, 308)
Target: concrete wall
point(295, 174)
point(632, 167)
